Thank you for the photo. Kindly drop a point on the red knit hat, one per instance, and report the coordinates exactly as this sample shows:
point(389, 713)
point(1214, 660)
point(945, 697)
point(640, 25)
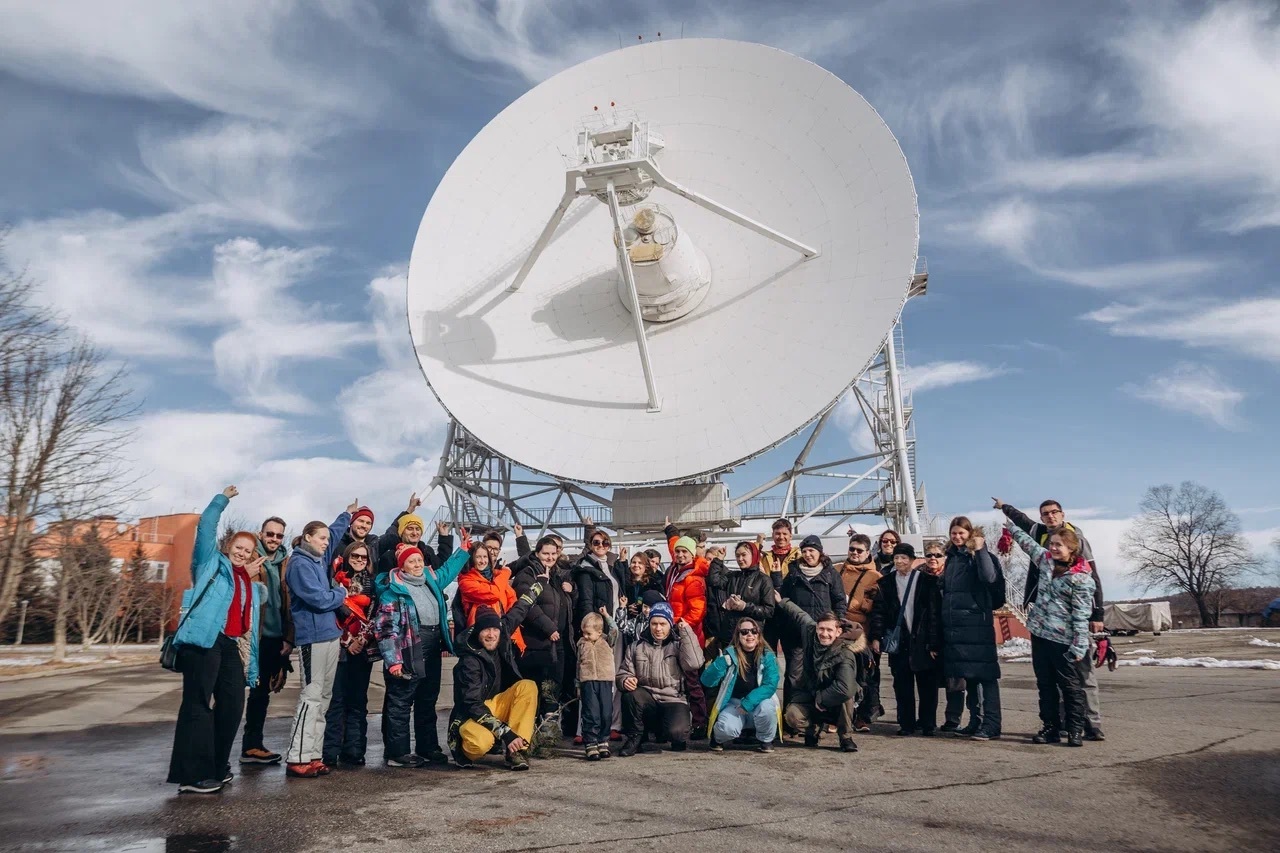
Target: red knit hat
point(365, 511)
point(405, 553)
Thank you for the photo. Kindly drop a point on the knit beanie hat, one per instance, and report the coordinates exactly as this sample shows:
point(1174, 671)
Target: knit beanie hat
point(362, 511)
point(687, 543)
point(905, 549)
point(662, 610)
point(407, 519)
point(651, 597)
point(403, 555)
point(487, 617)
point(811, 541)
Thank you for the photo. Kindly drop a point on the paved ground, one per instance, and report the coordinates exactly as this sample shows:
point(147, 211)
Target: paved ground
point(1192, 762)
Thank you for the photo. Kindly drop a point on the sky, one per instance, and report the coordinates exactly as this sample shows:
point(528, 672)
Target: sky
point(224, 197)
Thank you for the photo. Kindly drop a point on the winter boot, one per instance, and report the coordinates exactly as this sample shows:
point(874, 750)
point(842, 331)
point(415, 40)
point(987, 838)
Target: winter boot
point(1048, 734)
point(1075, 738)
point(630, 746)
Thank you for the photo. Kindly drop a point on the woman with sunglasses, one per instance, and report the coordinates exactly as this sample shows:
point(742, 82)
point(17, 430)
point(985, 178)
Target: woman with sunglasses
point(600, 582)
point(746, 674)
point(884, 551)
point(860, 577)
point(346, 728)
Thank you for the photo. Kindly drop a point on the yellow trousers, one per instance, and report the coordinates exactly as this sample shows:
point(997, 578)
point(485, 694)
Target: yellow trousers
point(515, 706)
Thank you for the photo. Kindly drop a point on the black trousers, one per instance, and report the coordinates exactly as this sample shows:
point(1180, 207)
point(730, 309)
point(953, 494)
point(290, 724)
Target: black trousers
point(346, 724)
point(794, 655)
point(270, 661)
point(956, 702)
point(664, 720)
point(870, 694)
point(417, 696)
point(597, 710)
point(212, 704)
point(545, 667)
point(1058, 677)
point(906, 685)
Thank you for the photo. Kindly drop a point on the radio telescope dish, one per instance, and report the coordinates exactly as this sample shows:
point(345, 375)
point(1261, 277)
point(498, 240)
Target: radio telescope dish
point(750, 207)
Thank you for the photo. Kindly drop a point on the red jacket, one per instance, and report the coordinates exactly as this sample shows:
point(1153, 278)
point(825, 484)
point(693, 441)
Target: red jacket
point(476, 591)
point(687, 590)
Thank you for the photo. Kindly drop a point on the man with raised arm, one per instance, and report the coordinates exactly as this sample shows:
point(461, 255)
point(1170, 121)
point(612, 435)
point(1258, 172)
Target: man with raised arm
point(408, 528)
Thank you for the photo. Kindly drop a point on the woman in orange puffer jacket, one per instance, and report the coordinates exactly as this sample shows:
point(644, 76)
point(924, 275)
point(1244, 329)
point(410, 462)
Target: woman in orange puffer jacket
point(483, 585)
point(685, 586)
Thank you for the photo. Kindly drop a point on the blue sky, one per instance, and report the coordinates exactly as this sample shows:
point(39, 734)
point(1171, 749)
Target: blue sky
point(225, 197)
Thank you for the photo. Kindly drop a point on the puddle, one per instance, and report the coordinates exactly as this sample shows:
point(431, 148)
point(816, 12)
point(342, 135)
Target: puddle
point(27, 764)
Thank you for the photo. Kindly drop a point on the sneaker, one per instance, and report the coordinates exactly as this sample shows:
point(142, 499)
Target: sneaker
point(1075, 739)
point(208, 786)
point(460, 759)
point(764, 746)
point(716, 746)
point(678, 746)
point(847, 745)
point(303, 770)
point(227, 777)
point(1095, 734)
point(519, 760)
point(950, 727)
point(968, 731)
point(434, 755)
point(258, 755)
point(980, 734)
point(353, 760)
point(862, 726)
point(604, 750)
point(1049, 734)
point(699, 733)
point(410, 760)
point(592, 752)
point(630, 746)
point(615, 735)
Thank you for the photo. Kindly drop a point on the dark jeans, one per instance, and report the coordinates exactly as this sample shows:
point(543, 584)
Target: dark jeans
point(545, 667)
point(906, 684)
point(212, 704)
point(956, 702)
point(794, 656)
point(665, 720)
point(697, 699)
point(871, 693)
point(597, 710)
point(801, 716)
point(418, 694)
point(986, 694)
point(346, 724)
point(270, 661)
point(1058, 677)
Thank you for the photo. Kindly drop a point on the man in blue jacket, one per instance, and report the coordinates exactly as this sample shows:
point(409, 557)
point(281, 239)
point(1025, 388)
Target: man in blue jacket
point(314, 601)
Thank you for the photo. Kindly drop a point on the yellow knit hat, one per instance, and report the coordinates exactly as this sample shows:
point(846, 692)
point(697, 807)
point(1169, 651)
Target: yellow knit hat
point(407, 519)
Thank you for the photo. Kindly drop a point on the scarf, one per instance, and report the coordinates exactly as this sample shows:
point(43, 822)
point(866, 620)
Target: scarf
point(779, 551)
point(810, 572)
point(239, 619)
point(755, 556)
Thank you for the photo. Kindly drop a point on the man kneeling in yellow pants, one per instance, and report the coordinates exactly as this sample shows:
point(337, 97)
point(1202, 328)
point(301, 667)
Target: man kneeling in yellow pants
point(491, 702)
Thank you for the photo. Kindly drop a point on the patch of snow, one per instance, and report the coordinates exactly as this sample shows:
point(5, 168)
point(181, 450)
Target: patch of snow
point(1206, 663)
point(1256, 642)
point(1140, 652)
point(1015, 647)
point(30, 660)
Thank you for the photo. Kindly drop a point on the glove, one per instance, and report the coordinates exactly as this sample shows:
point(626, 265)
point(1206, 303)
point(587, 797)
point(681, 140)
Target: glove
point(1005, 545)
point(1101, 656)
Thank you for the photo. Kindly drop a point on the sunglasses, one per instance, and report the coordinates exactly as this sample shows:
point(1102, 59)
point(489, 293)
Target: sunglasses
point(364, 558)
point(595, 542)
point(934, 556)
point(857, 550)
point(273, 536)
point(888, 541)
point(747, 632)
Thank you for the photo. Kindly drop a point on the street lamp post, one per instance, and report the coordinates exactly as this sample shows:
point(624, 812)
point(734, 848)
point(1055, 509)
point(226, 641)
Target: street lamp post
point(22, 620)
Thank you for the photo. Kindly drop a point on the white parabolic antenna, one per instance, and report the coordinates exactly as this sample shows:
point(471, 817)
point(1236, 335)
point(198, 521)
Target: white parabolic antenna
point(770, 229)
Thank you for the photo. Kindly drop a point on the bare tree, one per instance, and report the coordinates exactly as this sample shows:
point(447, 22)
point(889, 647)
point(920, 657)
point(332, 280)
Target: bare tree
point(63, 414)
point(1187, 539)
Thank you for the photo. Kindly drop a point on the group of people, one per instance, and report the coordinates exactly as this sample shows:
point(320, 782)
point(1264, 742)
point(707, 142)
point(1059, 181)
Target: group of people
point(611, 646)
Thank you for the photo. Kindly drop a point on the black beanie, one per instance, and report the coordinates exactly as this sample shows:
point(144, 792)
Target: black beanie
point(905, 549)
point(651, 597)
point(487, 618)
point(811, 541)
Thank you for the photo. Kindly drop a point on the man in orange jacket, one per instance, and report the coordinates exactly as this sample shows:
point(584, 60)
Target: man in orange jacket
point(685, 586)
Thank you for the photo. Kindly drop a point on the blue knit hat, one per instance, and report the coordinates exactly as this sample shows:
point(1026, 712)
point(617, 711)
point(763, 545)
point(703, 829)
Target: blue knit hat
point(662, 610)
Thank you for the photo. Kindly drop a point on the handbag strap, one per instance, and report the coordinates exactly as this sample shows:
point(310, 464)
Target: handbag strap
point(902, 605)
point(208, 583)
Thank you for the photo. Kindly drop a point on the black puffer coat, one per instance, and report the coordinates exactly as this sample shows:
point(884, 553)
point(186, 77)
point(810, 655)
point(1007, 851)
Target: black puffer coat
point(926, 621)
point(968, 630)
point(594, 589)
point(552, 612)
point(750, 585)
point(814, 596)
point(479, 674)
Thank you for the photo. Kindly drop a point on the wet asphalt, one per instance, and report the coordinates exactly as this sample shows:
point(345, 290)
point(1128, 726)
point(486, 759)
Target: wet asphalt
point(1192, 762)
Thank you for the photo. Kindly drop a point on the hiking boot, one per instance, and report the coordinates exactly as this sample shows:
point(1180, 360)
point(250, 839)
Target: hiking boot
point(811, 737)
point(460, 759)
point(716, 746)
point(519, 760)
point(303, 770)
point(679, 746)
point(592, 752)
point(1076, 738)
point(847, 745)
point(1094, 734)
point(764, 746)
point(604, 750)
point(410, 760)
point(258, 755)
point(630, 746)
point(322, 769)
point(950, 727)
point(699, 733)
point(435, 755)
point(208, 786)
point(1049, 734)
point(862, 725)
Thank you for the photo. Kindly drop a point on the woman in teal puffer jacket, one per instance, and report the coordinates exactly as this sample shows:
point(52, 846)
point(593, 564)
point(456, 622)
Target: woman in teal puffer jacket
point(217, 643)
point(747, 674)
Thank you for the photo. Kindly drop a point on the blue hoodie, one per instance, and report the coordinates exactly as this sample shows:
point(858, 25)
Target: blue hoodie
point(313, 597)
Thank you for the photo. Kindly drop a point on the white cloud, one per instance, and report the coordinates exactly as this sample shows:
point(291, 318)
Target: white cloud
point(942, 374)
point(1194, 389)
point(1249, 326)
point(391, 414)
point(238, 171)
point(107, 275)
point(238, 57)
point(271, 330)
